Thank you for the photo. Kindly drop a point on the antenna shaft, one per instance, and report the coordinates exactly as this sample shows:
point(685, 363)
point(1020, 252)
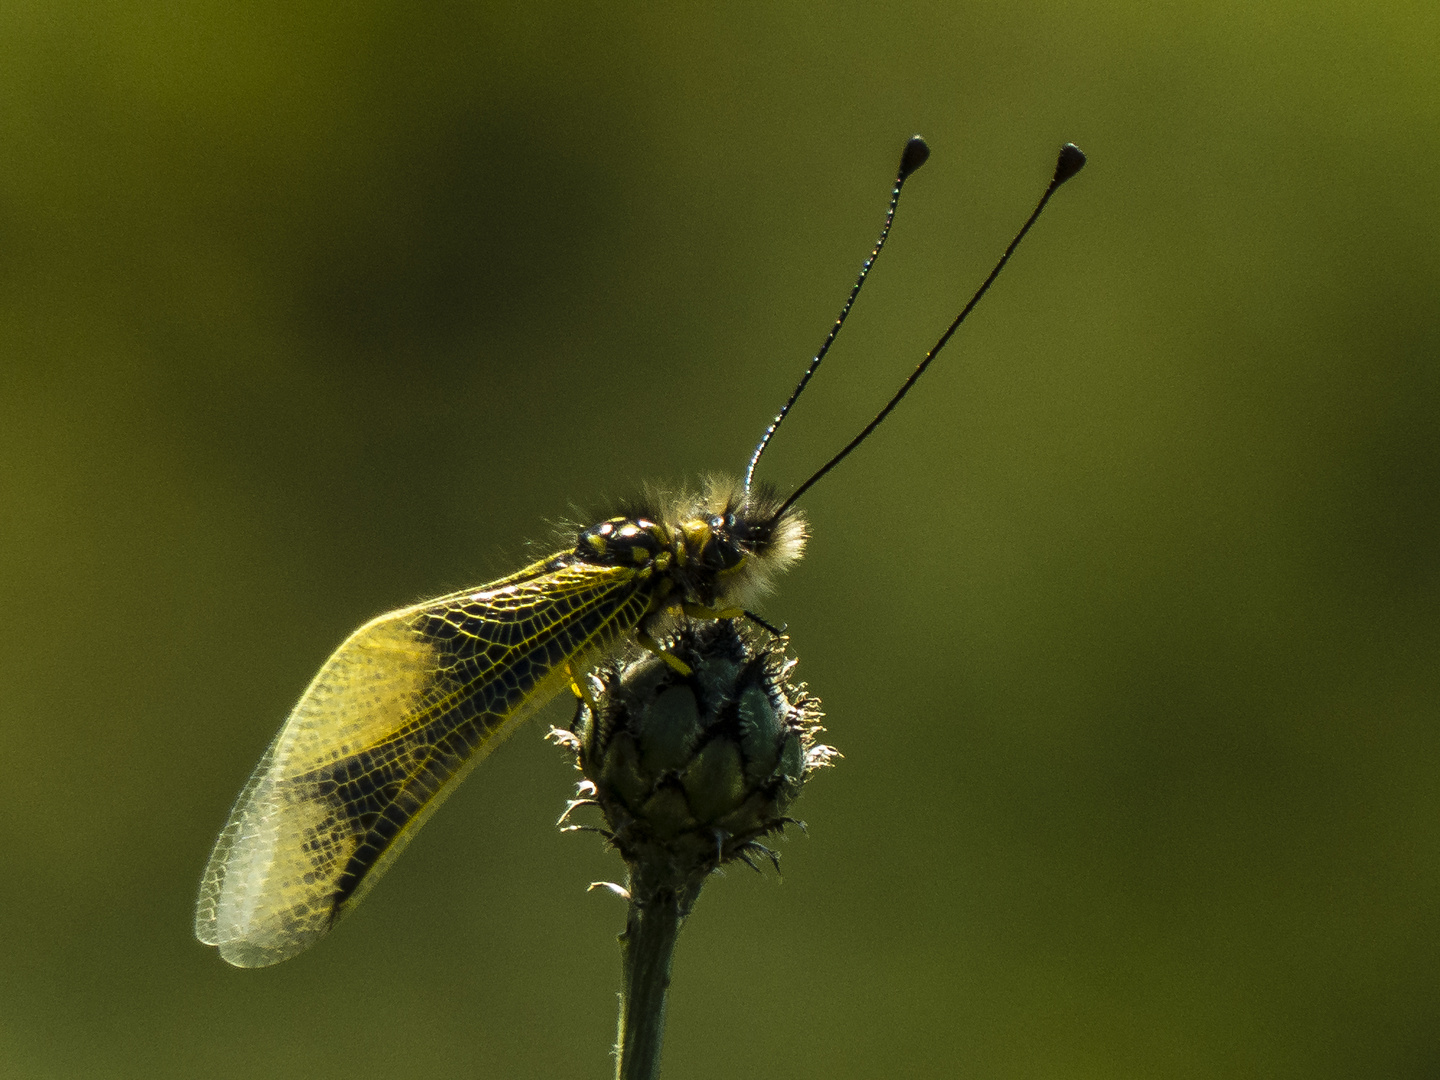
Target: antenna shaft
point(1071, 161)
point(914, 155)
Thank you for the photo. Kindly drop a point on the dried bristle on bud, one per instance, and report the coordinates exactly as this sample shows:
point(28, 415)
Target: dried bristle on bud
point(690, 771)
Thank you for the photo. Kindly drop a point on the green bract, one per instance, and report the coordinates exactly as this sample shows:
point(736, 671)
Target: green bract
point(690, 770)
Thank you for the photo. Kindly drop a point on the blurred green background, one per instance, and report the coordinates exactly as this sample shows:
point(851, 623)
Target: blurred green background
point(1126, 624)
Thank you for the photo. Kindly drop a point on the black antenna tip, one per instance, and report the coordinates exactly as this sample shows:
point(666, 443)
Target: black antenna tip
point(916, 153)
point(1072, 160)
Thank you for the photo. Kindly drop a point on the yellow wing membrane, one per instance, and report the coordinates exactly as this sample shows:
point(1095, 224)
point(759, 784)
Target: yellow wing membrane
point(394, 720)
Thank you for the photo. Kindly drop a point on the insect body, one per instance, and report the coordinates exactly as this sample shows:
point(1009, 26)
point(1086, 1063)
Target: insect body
point(414, 699)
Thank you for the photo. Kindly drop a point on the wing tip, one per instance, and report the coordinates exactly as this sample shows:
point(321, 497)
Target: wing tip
point(248, 954)
point(255, 952)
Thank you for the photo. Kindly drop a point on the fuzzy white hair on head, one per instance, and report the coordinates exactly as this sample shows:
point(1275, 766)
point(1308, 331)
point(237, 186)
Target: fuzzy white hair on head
point(780, 536)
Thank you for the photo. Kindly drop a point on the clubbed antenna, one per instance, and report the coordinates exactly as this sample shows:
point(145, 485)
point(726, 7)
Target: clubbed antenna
point(915, 154)
point(1070, 162)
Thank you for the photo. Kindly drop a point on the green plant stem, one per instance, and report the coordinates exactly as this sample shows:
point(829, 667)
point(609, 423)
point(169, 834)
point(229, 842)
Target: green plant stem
point(646, 947)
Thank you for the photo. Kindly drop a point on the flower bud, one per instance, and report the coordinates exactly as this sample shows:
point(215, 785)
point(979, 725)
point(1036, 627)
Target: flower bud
point(690, 770)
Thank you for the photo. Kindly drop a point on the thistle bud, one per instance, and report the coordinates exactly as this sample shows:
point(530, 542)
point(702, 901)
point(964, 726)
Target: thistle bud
point(691, 770)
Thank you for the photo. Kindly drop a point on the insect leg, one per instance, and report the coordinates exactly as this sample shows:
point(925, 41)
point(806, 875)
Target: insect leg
point(700, 611)
point(654, 646)
point(778, 631)
point(581, 691)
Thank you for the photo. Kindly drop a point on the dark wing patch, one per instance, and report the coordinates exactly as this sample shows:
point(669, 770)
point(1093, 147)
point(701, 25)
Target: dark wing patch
point(394, 720)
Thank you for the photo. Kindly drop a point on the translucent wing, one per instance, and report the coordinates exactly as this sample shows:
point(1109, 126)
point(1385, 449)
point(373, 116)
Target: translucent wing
point(394, 720)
